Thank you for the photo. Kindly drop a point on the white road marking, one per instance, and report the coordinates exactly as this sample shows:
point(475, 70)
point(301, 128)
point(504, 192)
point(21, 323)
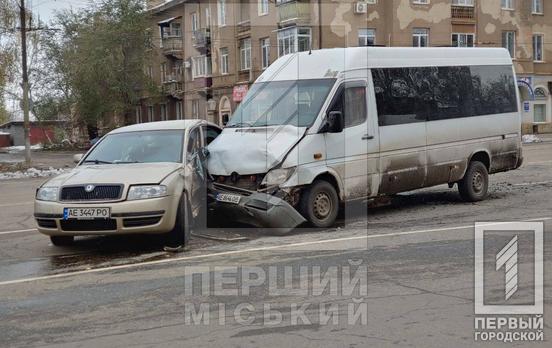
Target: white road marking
point(244, 251)
point(16, 204)
point(538, 183)
point(18, 231)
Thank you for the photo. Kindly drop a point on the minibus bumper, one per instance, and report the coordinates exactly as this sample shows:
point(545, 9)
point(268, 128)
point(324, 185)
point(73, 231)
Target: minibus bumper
point(260, 210)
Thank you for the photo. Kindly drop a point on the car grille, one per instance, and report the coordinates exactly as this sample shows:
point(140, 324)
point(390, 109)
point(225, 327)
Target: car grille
point(46, 223)
point(141, 222)
point(101, 192)
point(89, 225)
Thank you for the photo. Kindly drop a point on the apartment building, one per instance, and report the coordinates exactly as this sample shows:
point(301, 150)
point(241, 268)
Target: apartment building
point(208, 52)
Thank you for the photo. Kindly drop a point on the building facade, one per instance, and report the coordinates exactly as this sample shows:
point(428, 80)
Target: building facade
point(208, 52)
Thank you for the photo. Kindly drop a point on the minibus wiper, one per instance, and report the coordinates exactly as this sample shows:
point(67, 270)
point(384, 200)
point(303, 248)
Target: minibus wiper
point(96, 161)
point(240, 125)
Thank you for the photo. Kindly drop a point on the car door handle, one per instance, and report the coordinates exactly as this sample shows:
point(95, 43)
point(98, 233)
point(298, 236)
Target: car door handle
point(367, 137)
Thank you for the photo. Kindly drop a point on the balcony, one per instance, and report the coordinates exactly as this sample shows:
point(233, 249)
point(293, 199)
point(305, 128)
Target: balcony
point(174, 88)
point(203, 85)
point(294, 11)
point(243, 29)
point(463, 14)
point(173, 46)
point(201, 40)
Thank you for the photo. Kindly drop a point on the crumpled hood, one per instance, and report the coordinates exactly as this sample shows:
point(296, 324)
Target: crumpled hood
point(249, 151)
point(128, 174)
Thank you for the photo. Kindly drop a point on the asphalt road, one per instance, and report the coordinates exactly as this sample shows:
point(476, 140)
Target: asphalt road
point(418, 253)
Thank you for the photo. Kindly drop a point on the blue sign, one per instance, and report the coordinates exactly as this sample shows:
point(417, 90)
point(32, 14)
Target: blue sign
point(526, 106)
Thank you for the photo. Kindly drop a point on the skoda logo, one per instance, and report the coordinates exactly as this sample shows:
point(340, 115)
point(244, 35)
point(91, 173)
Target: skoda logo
point(89, 188)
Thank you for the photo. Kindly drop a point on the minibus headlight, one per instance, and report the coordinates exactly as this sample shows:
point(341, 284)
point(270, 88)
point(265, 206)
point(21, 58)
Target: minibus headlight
point(146, 192)
point(48, 194)
point(277, 176)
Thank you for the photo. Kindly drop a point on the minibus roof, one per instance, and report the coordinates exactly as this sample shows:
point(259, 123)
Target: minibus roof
point(328, 63)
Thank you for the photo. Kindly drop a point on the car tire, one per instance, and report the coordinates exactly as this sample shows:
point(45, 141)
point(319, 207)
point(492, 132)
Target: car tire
point(474, 186)
point(319, 204)
point(180, 234)
point(62, 240)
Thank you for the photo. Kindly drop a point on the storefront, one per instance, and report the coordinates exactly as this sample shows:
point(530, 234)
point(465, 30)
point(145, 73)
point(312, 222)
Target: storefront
point(536, 100)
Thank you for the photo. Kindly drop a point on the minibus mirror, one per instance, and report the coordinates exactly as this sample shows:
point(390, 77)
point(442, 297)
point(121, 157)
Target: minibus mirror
point(204, 153)
point(335, 122)
point(77, 158)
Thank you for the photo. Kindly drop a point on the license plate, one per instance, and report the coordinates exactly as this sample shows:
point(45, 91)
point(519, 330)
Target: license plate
point(86, 213)
point(227, 198)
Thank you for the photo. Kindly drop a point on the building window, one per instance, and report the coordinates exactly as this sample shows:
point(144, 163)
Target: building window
point(207, 17)
point(366, 37)
point(195, 22)
point(463, 40)
point(139, 114)
point(150, 113)
point(195, 108)
point(163, 72)
point(263, 7)
point(509, 42)
point(507, 4)
point(539, 113)
point(224, 61)
point(221, 7)
point(538, 7)
point(149, 72)
point(243, 11)
point(420, 38)
point(462, 2)
point(293, 40)
point(163, 111)
point(202, 66)
point(538, 42)
point(179, 110)
point(420, 2)
point(245, 54)
point(265, 52)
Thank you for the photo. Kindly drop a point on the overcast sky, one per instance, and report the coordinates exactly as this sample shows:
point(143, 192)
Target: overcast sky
point(46, 8)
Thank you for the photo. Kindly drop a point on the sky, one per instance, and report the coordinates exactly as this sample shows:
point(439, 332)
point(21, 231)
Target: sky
point(45, 9)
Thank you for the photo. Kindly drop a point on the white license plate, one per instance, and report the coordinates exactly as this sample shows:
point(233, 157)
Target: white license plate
point(227, 198)
point(86, 213)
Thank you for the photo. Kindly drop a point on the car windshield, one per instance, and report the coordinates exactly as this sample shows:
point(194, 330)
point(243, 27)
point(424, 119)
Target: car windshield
point(282, 103)
point(138, 147)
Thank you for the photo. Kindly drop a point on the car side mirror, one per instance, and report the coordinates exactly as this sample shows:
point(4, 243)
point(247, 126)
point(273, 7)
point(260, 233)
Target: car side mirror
point(335, 122)
point(78, 157)
point(205, 152)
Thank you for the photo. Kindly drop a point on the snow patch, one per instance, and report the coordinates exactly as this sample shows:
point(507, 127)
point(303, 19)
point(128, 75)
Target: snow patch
point(531, 138)
point(32, 173)
point(16, 149)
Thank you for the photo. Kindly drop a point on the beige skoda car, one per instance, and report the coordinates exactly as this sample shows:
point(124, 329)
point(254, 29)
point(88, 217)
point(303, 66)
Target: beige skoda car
point(147, 178)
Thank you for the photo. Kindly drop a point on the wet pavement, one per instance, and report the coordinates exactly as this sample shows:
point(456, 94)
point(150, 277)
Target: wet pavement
point(119, 290)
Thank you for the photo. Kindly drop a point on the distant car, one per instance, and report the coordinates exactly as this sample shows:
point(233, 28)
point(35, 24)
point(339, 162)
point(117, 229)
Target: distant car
point(146, 178)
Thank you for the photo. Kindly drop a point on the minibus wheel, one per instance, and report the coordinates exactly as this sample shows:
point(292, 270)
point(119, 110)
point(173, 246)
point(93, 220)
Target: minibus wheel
point(320, 204)
point(62, 240)
point(179, 236)
point(475, 184)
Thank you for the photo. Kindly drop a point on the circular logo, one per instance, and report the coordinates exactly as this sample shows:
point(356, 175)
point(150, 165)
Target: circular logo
point(89, 188)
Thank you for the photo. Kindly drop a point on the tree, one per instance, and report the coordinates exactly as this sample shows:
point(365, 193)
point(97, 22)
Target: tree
point(99, 58)
point(8, 15)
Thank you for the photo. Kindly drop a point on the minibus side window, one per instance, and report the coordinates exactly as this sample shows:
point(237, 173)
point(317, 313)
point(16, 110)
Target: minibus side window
point(351, 101)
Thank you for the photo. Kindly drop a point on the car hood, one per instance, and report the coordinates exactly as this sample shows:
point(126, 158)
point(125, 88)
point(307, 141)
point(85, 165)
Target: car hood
point(128, 174)
point(249, 151)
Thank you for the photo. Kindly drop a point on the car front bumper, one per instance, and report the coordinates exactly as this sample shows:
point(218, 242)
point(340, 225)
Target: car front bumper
point(148, 216)
point(260, 210)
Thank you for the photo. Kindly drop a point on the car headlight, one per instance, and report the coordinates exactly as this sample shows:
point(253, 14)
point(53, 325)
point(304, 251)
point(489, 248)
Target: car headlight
point(146, 192)
point(47, 194)
point(277, 176)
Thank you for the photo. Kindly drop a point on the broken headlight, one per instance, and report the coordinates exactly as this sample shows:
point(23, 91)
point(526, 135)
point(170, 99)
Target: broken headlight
point(277, 176)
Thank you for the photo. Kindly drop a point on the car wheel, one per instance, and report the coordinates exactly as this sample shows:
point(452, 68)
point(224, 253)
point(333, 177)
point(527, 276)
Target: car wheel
point(319, 204)
point(179, 236)
point(62, 240)
point(475, 184)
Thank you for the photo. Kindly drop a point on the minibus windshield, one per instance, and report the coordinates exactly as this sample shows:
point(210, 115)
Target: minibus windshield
point(278, 103)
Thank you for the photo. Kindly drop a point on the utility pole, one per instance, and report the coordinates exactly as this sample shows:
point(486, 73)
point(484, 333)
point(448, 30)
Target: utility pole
point(23, 19)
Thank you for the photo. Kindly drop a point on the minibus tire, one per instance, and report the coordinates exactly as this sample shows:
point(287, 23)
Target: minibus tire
point(62, 240)
point(324, 192)
point(180, 234)
point(475, 184)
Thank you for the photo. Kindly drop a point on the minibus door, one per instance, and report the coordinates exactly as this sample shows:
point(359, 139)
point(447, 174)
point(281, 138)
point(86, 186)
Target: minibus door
point(353, 152)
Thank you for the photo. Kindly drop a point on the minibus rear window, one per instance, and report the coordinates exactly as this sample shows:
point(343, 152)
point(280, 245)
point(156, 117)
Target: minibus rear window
point(277, 103)
point(409, 95)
